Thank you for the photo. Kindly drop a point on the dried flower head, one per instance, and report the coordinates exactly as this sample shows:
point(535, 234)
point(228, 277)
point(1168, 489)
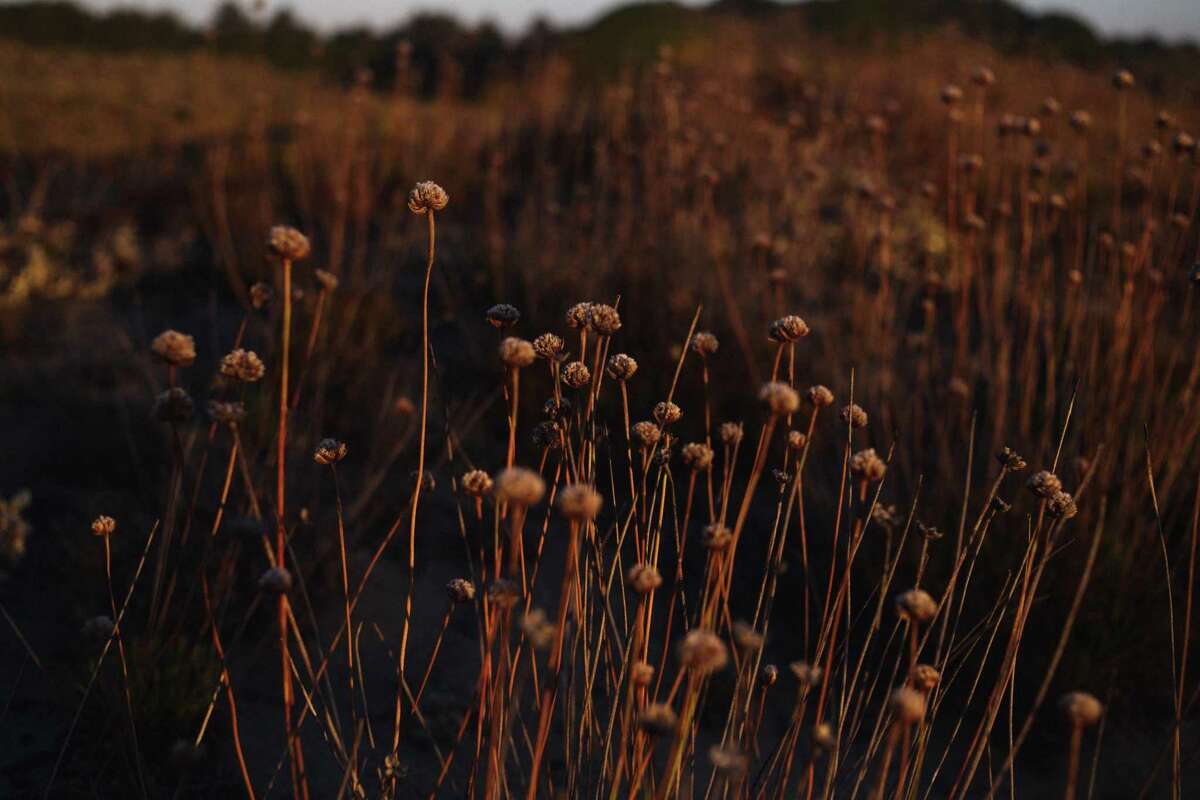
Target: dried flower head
point(731, 433)
point(788, 329)
point(503, 315)
point(427, 196)
point(658, 719)
point(796, 441)
point(728, 761)
point(780, 398)
point(621, 367)
point(807, 674)
point(641, 673)
point(924, 678)
point(226, 412)
point(704, 344)
point(854, 416)
point(667, 413)
point(916, 605)
point(716, 536)
point(174, 348)
point(328, 281)
point(329, 452)
point(1081, 121)
point(820, 396)
point(1081, 708)
point(1062, 505)
point(516, 353)
point(288, 243)
point(746, 637)
point(174, 405)
point(477, 483)
point(1122, 79)
point(548, 346)
point(98, 629)
point(519, 486)
point(104, 525)
point(908, 705)
point(276, 580)
point(576, 375)
point(697, 455)
point(1010, 460)
point(867, 465)
point(503, 593)
point(643, 578)
point(547, 433)
point(769, 675)
point(604, 319)
point(646, 434)
point(242, 365)
point(1045, 484)
point(886, 515)
point(540, 631)
point(703, 652)
point(951, 94)
point(460, 590)
point(260, 296)
point(982, 76)
point(822, 736)
point(579, 316)
point(579, 502)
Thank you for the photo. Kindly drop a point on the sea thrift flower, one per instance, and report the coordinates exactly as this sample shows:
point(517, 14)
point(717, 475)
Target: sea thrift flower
point(174, 348)
point(288, 243)
point(242, 365)
point(427, 196)
point(329, 452)
point(519, 486)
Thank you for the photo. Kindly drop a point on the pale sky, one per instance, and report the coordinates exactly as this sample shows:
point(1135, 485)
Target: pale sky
point(1171, 19)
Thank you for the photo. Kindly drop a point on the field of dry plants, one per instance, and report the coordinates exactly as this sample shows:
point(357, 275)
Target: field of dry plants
point(770, 420)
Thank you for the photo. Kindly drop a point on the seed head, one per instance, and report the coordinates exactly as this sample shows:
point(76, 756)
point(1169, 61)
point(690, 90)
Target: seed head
point(703, 652)
point(503, 593)
point(242, 365)
point(658, 719)
point(716, 536)
point(867, 465)
point(519, 486)
point(604, 319)
point(768, 675)
point(1051, 107)
point(547, 434)
point(328, 281)
point(731, 433)
point(951, 94)
point(276, 580)
point(548, 346)
point(288, 243)
point(1081, 121)
point(427, 196)
point(728, 761)
point(226, 412)
point(796, 440)
point(460, 590)
point(788, 329)
point(822, 736)
point(579, 502)
point(579, 316)
point(1010, 460)
point(477, 483)
point(854, 416)
point(697, 455)
point(260, 296)
point(886, 515)
point(174, 348)
point(503, 316)
point(643, 578)
point(538, 630)
point(1062, 505)
point(576, 375)
point(1081, 708)
point(908, 705)
point(641, 673)
point(705, 344)
point(104, 525)
point(646, 433)
point(1183, 143)
point(983, 77)
point(916, 606)
point(746, 637)
point(174, 405)
point(924, 678)
point(329, 452)
point(780, 398)
point(820, 396)
point(1122, 79)
point(667, 413)
point(806, 673)
point(621, 367)
point(1045, 484)
point(516, 353)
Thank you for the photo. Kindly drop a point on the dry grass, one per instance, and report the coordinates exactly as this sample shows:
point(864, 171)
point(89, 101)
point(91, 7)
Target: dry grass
point(648, 543)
